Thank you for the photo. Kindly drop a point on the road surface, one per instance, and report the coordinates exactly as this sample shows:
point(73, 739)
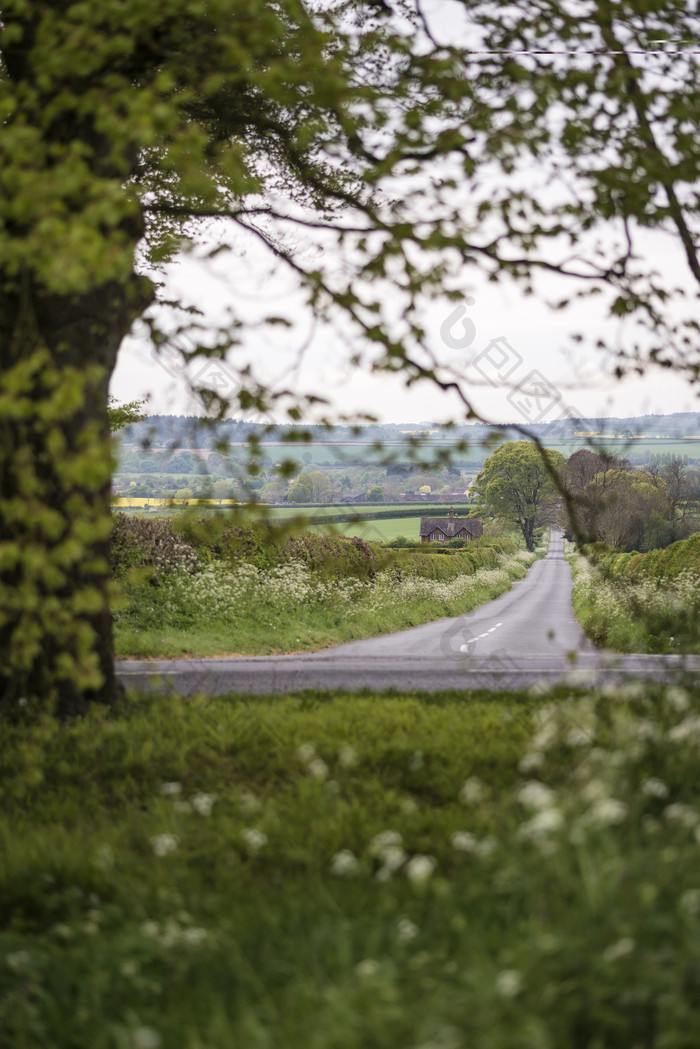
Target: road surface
point(527, 636)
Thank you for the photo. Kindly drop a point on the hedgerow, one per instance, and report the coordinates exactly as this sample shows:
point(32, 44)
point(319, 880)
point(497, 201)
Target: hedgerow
point(635, 602)
point(256, 589)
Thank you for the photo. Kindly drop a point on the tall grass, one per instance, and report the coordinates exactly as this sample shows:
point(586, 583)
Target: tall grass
point(344, 872)
point(316, 592)
point(641, 602)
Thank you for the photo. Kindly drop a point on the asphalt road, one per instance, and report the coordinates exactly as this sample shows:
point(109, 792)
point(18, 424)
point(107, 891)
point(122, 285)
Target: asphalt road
point(527, 636)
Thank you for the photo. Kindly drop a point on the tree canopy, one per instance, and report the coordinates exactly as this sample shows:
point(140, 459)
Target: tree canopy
point(516, 485)
point(627, 509)
point(374, 152)
point(121, 415)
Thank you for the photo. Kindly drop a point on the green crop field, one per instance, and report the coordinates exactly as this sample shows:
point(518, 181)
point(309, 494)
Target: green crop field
point(355, 453)
point(382, 531)
point(639, 449)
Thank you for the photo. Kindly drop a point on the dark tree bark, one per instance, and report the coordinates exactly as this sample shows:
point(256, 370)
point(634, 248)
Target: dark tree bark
point(56, 357)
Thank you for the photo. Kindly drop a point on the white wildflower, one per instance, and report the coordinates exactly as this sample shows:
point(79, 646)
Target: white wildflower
point(406, 930)
point(545, 822)
point(384, 840)
point(463, 841)
point(347, 756)
point(203, 803)
point(619, 950)
point(688, 730)
point(254, 839)
point(536, 795)
point(306, 752)
point(578, 737)
point(632, 690)
point(145, 1038)
point(194, 936)
point(486, 846)
point(317, 768)
point(150, 929)
point(509, 983)
point(393, 857)
point(18, 960)
point(163, 844)
point(344, 863)
point(654, 788)
point(368, 969)
point(690, 902)
point(680, 813)
point(169, 790)
point(531, 762)
point(420, 869)
point(607, 812)
point(63, 931)
point(637, 729)
point(594, 790)
point(677, 698)
point(472, 791)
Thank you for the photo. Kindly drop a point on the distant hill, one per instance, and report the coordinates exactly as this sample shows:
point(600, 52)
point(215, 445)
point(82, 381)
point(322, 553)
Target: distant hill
point(185, 431)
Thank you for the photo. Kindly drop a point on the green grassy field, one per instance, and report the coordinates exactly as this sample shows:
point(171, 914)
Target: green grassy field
point(381, 531)
point(354, 872)
point(234, 609)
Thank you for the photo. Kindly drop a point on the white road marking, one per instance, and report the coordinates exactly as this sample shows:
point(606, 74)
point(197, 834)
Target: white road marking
point(465, 648)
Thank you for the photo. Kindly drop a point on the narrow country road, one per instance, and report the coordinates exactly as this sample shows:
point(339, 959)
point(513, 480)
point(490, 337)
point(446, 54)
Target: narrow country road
point(527, 636)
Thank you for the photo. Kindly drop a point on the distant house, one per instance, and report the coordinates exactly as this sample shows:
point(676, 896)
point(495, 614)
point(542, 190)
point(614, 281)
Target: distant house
point(352, 497)
point(442, 529)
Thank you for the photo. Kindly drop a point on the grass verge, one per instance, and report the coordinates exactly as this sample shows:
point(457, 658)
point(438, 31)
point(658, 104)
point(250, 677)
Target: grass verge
point(637, 613)
point(290, 608)
point(344, 872)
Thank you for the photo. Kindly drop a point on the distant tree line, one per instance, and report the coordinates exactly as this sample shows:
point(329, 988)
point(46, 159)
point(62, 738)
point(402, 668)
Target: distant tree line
point(632, 509)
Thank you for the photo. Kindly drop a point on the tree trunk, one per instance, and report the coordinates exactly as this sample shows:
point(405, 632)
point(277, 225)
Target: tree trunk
point(528, 529)
point(56, 357)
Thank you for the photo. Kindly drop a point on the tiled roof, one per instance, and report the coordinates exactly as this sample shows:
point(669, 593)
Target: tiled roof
point(452, 526)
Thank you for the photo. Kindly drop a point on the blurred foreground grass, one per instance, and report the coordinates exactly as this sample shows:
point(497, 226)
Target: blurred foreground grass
point(355, 871)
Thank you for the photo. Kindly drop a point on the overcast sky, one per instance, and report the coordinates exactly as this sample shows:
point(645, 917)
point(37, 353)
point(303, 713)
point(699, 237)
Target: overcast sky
point(536, 340)
point(537, 348)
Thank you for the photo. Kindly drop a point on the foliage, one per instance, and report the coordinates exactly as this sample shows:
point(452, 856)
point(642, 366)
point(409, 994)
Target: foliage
point(140, 543)
point(309, 487)
point(331, 870)
point(347, 143)
point(121, 415)
point(516, 485)
point(245, 591)
point(641, 602)
point(626, 509)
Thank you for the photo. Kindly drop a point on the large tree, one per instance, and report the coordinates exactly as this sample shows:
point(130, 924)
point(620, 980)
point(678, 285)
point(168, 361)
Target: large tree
point(516, 485)
point(366, 147)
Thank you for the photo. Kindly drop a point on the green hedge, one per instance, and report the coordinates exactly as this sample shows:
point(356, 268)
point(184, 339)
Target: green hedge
point(683, 556)
point(139, 541)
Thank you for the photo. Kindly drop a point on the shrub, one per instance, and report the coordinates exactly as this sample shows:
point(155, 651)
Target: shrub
point(139, 542)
